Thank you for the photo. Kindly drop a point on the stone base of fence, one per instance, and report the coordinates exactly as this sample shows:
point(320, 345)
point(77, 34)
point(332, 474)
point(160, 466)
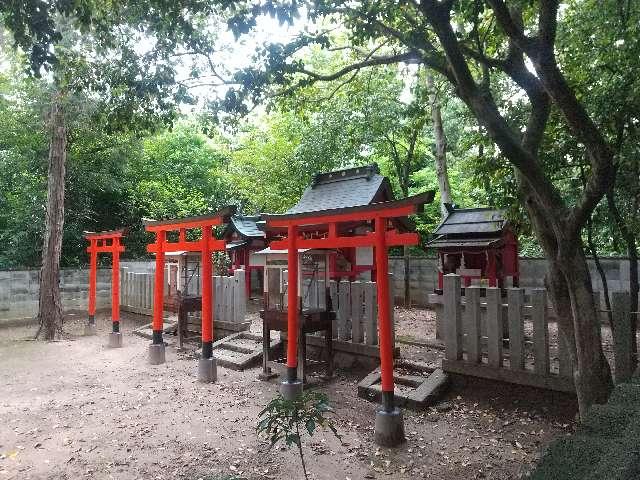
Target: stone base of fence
point(345, 354)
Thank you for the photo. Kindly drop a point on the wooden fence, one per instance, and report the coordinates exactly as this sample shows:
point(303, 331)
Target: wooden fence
point(356, 327)
point(514, 342)
point(136, 294)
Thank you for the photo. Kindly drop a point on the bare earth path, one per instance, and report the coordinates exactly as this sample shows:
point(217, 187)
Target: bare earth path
point(75, 409)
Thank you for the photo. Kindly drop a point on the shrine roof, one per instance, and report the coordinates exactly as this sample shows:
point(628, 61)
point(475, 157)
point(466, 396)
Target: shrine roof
point(471, 221)
point(246, 226)
point(418, 200)
point(351, 187)
point(445, 242)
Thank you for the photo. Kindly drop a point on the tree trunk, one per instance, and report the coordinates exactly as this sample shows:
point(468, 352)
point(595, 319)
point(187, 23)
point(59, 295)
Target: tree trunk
point(441, 146)
point(592, 373)
point(571, 294)
point(50, 305)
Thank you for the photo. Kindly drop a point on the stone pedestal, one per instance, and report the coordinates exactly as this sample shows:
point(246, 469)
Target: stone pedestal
point(156, 354)
point(115, 340)
point(90, 329)
point(389, 427)
point(207, 370)
point(291, 389)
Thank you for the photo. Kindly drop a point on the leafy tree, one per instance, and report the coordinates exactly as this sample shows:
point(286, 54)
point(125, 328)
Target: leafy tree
point(92, 47)
point(481, 48)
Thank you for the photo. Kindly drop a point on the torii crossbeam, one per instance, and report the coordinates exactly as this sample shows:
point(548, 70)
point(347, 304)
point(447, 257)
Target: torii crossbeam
point(389, 427)
point(105, 242)
point(205, 245)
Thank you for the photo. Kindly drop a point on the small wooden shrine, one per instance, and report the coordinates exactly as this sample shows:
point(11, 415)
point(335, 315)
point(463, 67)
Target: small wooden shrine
point(314, 301)
point(479, 245)
point(244, 237)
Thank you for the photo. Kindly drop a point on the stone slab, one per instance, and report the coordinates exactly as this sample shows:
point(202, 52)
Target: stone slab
point(240, 350)
point(416, 392)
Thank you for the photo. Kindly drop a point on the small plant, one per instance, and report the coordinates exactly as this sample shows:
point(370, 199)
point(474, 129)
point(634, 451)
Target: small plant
point(286, 420)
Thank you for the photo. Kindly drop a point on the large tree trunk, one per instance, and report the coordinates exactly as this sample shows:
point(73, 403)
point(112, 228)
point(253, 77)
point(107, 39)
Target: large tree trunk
point(50, 305)
point(569, 284)
point(592, 373)
point(441, 146)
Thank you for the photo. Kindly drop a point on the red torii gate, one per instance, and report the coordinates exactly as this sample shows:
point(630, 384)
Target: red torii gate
point(389, 426)
point(207, 371)
point(105, 242)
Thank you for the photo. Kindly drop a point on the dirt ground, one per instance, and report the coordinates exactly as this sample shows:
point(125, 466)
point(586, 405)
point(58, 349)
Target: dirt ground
point(76, 409)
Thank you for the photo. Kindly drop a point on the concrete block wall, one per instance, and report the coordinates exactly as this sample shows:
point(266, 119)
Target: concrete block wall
point(19, 291)
point(424, 276)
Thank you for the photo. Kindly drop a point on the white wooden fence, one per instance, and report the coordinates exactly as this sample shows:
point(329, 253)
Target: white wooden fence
point(229, 299)
point(355, 330)
point(513, 342)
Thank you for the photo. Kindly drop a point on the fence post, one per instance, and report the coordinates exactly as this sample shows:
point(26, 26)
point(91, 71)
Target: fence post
point(515, 298)
point(370, 313)
point(472, 323)
point(356, 312)
point(343, 310)
point(540, 330)
point(622, 335)
point(239, 296)
point(495, 327)
point(452, 318)
point(335, 304)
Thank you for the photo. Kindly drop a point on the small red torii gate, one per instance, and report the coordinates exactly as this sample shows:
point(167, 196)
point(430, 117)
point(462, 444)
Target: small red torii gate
point(207, 371)
point(389, 426)
point(105, 242)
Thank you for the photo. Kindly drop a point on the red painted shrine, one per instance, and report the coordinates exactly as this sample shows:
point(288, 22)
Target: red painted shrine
point(105, 242)
point(477, 244)
point(171, 237)
point(244, 237)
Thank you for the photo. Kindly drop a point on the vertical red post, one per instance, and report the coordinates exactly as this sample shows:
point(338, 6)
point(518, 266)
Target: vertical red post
point(207, 294)
point(292, 303)
point(115, 286)
point(158, 291)
point(382, 281)
point(93, 274)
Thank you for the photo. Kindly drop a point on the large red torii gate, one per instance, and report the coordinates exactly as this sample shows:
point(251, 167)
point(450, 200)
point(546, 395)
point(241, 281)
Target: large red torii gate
point(389, 426)
point(207, 371)
point(105, 242)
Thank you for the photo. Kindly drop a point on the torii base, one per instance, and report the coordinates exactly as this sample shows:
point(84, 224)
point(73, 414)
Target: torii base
point(207, 370)
point(389, 427)
point(156, 354)
point(291, 389)
point(115, 340)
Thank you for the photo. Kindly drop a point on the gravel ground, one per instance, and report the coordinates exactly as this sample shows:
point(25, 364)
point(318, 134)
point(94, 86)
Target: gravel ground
point(75, 409)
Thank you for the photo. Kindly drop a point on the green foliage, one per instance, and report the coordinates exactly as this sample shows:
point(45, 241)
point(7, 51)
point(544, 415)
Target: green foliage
point(274, 160)
point(287, 420)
